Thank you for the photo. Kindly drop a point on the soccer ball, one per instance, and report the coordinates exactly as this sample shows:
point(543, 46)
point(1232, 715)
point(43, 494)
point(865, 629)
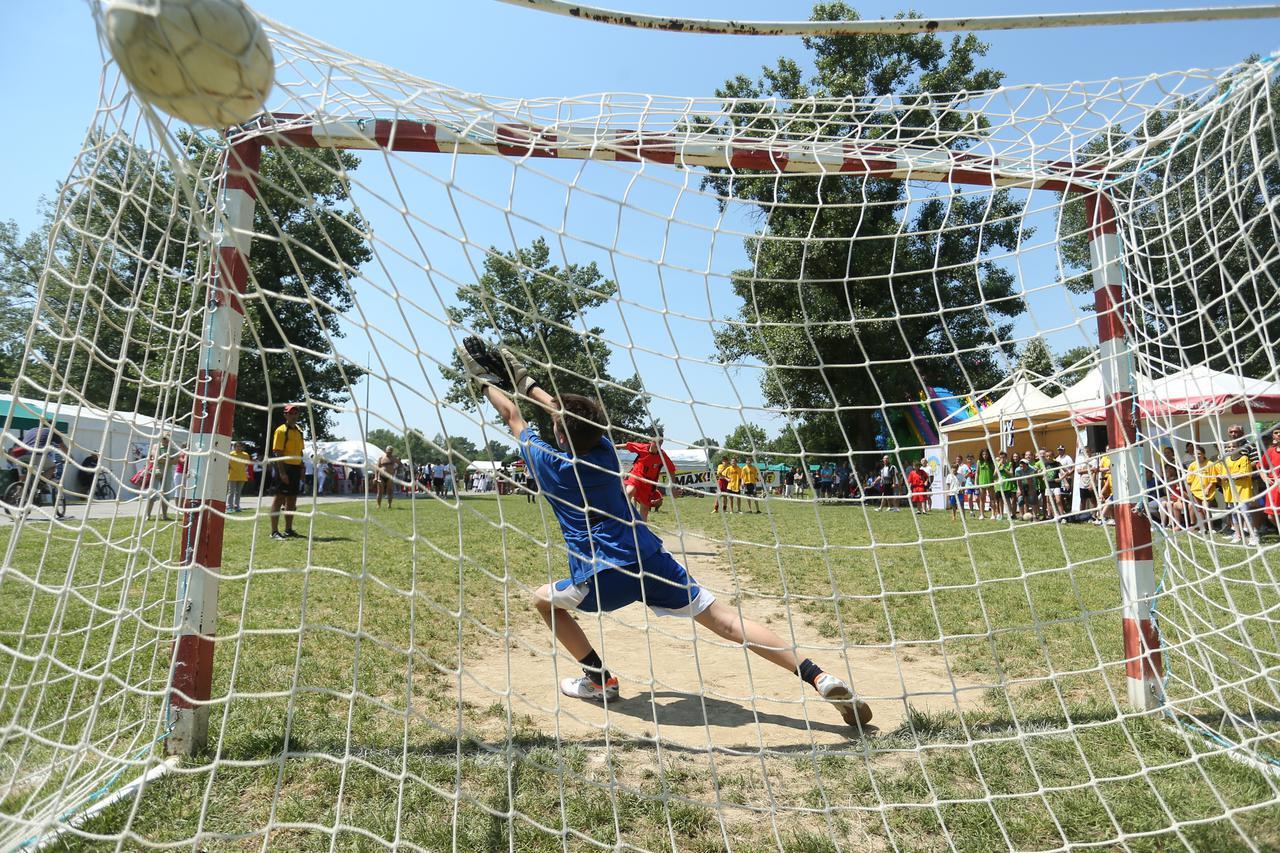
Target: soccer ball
point(206, 62)
point(1026, 516)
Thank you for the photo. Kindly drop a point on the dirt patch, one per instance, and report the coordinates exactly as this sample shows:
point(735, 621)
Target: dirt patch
point(698, 692)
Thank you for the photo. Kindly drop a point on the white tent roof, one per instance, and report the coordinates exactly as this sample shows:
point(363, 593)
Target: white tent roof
point(93, 417)
point(1022, 398)
point(484, 465)
point(1198, 389)
point(353, 454)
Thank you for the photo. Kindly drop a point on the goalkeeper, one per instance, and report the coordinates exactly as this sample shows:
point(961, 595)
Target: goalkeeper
point(614, 559)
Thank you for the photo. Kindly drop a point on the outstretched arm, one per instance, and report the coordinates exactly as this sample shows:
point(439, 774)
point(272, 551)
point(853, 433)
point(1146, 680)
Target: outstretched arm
point(507, 409)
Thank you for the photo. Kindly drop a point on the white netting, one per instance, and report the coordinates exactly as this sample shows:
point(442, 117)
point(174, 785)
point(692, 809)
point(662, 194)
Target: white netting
point(813, 284)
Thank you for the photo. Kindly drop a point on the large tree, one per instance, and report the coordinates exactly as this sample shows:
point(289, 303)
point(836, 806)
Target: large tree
point(859, 294)
point(541, 310)
point(121, 306)
point(1196, 196)
point(20, 262)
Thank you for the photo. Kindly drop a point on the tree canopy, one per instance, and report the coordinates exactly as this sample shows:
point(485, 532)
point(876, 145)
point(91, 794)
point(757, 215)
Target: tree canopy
point(540, 310)
point(124, 263)
point(859, 293)
point(1197, 218)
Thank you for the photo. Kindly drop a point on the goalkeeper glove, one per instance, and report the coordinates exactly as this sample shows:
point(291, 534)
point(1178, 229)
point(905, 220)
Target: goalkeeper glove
point(520, 378)
point(482, 364)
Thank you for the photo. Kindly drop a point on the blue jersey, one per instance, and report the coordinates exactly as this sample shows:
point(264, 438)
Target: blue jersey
point(599, 525)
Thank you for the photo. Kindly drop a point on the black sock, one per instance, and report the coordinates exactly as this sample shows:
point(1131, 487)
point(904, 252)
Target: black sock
point(594, 668)
point(808, 671)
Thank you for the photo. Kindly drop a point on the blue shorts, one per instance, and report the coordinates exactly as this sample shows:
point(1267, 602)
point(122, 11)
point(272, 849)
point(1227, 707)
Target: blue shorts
point(659, 581)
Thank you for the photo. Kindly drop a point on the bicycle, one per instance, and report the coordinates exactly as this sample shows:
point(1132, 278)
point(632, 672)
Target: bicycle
point(17, 496)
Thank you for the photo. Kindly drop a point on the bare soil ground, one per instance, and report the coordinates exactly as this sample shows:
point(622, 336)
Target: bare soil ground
point(692, 690)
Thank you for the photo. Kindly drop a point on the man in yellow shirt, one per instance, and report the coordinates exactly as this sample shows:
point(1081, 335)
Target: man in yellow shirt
point(237, 475)
point(286, 456)
point(733, 474)
point(751, 484)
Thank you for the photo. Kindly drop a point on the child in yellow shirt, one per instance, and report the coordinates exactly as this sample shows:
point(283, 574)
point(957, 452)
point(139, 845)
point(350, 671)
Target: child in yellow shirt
point(1237, 486)
point(1203, 476)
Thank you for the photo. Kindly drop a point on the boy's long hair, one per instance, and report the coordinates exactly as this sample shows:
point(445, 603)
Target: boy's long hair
point(581, 419)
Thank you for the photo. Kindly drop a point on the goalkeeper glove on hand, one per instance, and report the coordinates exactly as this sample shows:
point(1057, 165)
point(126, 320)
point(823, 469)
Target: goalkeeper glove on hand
point(483, 365)
point(520, 378)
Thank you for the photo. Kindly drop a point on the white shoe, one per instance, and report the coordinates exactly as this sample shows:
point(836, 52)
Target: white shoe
point(1235, 539)
point(584, 688)
point(855, 712)
point(1253, 542)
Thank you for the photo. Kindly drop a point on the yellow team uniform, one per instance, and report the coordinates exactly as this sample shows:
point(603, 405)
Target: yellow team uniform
point(1237, 480)
point(1104, 467)
point(286, 445)
point(750, 475)
point(238, 467)
point(733, 474)
point(1202, 480)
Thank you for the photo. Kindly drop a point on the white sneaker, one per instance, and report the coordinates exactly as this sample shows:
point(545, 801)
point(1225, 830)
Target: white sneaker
point(1253, 542)
point(855, 712)
point(584, 688)
point(1235, 539)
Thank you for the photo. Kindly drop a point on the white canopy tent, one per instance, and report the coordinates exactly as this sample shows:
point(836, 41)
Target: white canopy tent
point(121, 440)
point(351, 454)
point(1012, 420)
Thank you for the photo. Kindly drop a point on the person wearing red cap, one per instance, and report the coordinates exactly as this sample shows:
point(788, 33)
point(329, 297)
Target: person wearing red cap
point(286, 451)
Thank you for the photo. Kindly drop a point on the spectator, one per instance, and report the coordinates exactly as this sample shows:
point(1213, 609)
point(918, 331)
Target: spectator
point(751, 485)
point(789, 482)
point(1052, 484)
point(287, 446)
point(889, 480)
point(1269, 468)
point(1106, 506)
point(1237, 487)
point(451, 476)
point(237, 476)
point(156, 477)
point(1024, 473)
point(1086, 467)
point(1203, 476)
point(918, 482)
point(842, 480)
point(437, 477)
point(951, 485)
point(384, 484)
point(321, 475)
point(1173, 499)
point(986, 478)
point(1006, 486)
point(1066, 476)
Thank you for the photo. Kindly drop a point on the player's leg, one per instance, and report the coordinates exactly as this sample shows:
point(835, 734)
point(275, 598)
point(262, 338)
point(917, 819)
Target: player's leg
point(555, 603)
point(727, 623)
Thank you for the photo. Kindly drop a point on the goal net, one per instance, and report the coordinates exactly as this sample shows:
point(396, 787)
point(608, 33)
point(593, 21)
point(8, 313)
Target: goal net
point(1075, 282)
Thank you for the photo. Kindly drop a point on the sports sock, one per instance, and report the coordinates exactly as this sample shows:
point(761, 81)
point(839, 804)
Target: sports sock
point(594, 668)
point(808, 671)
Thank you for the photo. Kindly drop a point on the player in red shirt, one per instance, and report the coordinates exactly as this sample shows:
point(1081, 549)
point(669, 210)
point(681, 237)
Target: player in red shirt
point(641, 483)
point(918, 480)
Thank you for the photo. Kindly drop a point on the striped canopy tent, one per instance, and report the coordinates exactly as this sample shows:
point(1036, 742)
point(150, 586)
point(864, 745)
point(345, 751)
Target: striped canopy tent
point(1022, 415)
point(1196, 391)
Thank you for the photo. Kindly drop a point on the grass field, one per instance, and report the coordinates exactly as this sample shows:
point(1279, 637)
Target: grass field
point(339, 655)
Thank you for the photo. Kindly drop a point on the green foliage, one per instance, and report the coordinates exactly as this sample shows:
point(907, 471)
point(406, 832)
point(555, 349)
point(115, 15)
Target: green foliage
point(748, 440)
point(414, 447)
point(20, 263)
point(878, 292)
point(540, 310)
point(1196, 210)
point(1072, 364)
point(124, 298)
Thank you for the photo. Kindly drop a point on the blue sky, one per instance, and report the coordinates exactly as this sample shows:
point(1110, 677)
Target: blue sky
point(49, 53)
